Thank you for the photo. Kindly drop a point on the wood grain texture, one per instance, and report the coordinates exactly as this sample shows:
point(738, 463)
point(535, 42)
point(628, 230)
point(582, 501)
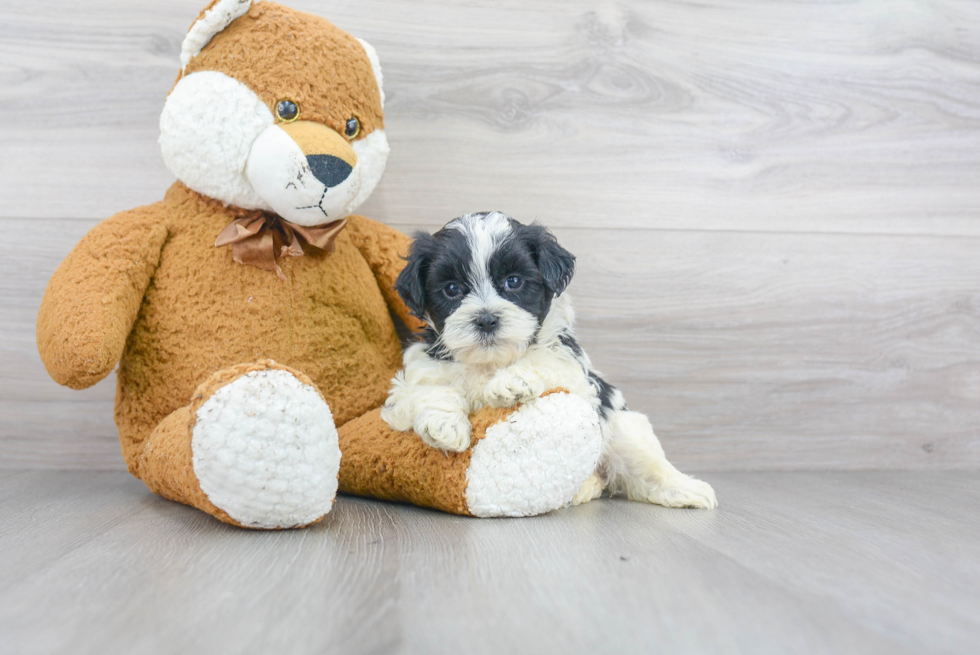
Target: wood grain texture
point(748, 350)
point(806, 116)
point(871, 562)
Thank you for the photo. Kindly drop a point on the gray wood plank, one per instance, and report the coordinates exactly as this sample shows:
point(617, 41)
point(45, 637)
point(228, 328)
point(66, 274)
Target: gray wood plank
point(766, 116)
point(896, 527)
point(814, 347)
point(870, 562)
point(749, 350)
point(60, 434)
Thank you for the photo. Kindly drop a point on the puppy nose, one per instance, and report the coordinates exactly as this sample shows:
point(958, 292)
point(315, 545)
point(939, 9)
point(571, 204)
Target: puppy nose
point(487, 323)
point(329, 169)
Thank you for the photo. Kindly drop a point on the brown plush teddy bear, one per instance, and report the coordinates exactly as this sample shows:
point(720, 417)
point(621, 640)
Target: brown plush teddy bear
point(249, 309)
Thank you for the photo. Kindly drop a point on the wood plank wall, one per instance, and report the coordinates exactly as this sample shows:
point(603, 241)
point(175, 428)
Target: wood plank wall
point(776, 206)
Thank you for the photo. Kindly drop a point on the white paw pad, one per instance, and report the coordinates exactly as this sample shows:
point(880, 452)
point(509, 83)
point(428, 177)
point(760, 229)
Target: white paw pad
point(265, 450)
point(535, 460)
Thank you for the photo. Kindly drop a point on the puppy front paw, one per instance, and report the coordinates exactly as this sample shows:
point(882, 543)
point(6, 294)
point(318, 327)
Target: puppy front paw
point(682, 491)
point(444, 430)
point(508, 388)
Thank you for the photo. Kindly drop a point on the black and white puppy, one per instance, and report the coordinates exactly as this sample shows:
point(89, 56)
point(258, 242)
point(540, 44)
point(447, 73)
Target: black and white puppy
point(498, 333)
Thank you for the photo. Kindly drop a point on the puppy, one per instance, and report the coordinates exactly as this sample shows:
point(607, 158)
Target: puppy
point(499, 332)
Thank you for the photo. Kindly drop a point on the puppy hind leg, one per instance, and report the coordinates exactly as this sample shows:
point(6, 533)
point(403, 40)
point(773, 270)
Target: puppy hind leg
point(591, 490)
point(638, 467)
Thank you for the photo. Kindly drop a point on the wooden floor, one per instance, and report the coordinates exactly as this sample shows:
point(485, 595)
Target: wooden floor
point(805, 562)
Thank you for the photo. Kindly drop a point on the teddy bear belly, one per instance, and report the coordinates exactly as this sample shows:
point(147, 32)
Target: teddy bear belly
point(329, 320)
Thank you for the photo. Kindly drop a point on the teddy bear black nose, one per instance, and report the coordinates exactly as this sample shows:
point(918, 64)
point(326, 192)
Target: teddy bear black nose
point(329, 169)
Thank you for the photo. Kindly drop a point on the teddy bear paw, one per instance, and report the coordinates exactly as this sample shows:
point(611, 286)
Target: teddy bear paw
point(265, 450)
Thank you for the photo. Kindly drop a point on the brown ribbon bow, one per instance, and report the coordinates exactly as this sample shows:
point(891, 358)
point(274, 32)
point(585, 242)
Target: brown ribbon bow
point(260, 239)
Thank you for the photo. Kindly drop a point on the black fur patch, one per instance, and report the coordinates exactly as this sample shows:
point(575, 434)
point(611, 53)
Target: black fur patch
point(410, 284)
point(433, 261)
point(556, 264)
point(449, 262)
point(605, 393)
point(571, 343)
point(604, 390)
point(514, 257)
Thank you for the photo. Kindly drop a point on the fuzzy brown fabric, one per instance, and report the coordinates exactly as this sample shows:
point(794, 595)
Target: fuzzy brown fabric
point(283, 54)
point(379, 462)
point(94, 296)
point(147, 288)
point(203, 312)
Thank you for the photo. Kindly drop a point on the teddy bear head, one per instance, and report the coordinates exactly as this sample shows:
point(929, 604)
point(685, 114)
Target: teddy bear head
point(276, 110)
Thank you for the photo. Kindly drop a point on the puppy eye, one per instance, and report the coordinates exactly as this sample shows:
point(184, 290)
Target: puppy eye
point(353, 128)
point(513, 283)
point(287, 111)
point(453, 291)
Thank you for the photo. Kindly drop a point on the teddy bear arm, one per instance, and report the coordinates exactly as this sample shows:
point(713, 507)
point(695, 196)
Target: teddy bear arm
point(384, 249)
point(93, 297)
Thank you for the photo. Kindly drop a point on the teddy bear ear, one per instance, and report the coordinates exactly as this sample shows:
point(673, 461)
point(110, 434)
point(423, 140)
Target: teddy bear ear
point(375, 66)
point(216, 16)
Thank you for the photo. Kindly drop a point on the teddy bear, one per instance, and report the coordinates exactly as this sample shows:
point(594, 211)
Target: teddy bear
point(252, 314)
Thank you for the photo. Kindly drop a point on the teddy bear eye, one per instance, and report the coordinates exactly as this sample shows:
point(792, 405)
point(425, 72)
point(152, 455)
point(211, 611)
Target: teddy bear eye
point(353, 127)
point(287, 111)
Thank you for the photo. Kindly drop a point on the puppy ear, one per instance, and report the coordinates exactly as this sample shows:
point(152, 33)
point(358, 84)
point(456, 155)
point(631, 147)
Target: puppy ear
point(410, 284)
point(556, 264)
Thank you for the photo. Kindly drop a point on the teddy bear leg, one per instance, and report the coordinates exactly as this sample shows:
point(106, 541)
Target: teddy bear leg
point(535, 461)
point(257, 447)
point(523, 461)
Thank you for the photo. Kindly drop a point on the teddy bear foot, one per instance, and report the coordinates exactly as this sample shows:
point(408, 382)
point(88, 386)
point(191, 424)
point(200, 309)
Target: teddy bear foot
point(535, 460)
point(265, 450)
point(261, 450)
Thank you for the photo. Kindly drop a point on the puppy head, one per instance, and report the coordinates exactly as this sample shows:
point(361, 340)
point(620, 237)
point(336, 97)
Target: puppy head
point(484, 283)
